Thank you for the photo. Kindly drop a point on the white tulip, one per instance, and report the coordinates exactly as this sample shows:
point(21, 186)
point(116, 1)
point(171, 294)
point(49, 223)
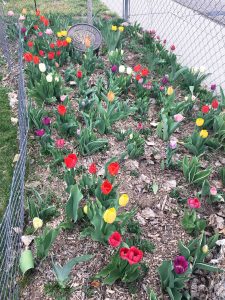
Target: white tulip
point(49, 77)
point(122, 52)
point(121, 69)
point(186, 98)
point(193, 98)
point(57, 79)
point(131, 136)
point(42, 67)
point(129, 71)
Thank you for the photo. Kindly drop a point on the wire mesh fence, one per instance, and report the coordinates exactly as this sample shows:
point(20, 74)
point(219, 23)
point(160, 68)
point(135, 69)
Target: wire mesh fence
point(196, 28)
point(11, 226)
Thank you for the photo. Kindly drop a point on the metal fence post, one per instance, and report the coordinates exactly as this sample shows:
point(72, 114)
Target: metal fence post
point(126, 9)
point(89, 12)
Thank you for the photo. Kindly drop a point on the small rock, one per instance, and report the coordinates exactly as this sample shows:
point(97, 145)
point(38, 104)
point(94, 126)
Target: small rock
point(150, 143)
point(148, 213)
point(170, 184)
point(140, 219)
point(217, 164)
point(33, 184)
point(132, 165)
point(145, 178)
point(154, 124)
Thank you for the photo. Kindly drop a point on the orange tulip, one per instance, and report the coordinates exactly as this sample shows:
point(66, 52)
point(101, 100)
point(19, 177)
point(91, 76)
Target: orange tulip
point(110, 96)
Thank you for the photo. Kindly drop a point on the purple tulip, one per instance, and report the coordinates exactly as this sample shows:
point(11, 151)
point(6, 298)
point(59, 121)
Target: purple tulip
point(165, 80)
point(46, 121)
point(23, 30)
point(40, 132)
point(114, 68)
point(213, 87)
point(180, 265)
point(173, 144)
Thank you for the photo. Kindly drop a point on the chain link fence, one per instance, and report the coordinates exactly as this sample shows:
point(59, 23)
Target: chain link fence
point(196, 28)
point(11, 227)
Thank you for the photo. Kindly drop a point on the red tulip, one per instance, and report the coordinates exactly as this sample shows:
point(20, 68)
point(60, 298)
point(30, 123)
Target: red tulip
point(59, 43)
point(38, 12)
point(35, 27)
point(52, 45)
point(64, 43)
point(28, 56)
point(194, 203)
point(58, 53)
point(41, 53)
point(134, 255)
point(205, 109)
point(30, 44)
point(42, 18)
point(115, 239)
point(215, 104)
point(113, 168)
point(92, 169)
point(145, 72)
point(79, 74)
point(124, 252)
point(36, 60)
point(51, 55)
point(46, 22)
point(138, 77)
point(137, 68)
point(106, 187)
point(61, 110)
point(70, 161)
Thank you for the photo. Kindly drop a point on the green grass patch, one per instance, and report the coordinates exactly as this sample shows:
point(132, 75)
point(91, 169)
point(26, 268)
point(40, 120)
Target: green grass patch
point(8, 149)
point(64, 7)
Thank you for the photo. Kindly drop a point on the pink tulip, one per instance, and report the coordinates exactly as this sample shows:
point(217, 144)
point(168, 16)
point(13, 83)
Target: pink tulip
point(60, 143)
point(10, 13)
point(178, 117)
point(213, 191)
point(48, 31)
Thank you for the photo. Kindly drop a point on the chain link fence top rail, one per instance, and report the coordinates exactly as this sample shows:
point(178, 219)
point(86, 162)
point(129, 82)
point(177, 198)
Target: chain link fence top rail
point(195, 27)
point(11, 226)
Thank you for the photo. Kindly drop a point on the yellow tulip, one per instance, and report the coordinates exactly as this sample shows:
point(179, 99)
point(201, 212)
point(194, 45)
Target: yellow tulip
point(123, 200)
point(199, 122)
point(37, 223)
point(170, 91)
point(205, 249)
point(64, 33)
point(203, 133)
point(69, 40)
point(110, 96)
point(59, 34)
point(121, 28)
point(114, 28)
point(109, 215)
point(85, 209)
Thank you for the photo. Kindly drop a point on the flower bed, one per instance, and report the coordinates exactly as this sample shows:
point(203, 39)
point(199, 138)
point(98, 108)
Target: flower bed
point(127, 166)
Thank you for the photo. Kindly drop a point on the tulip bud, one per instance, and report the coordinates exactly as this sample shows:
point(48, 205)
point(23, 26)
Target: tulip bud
point(85, 209)
point(205, 249)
